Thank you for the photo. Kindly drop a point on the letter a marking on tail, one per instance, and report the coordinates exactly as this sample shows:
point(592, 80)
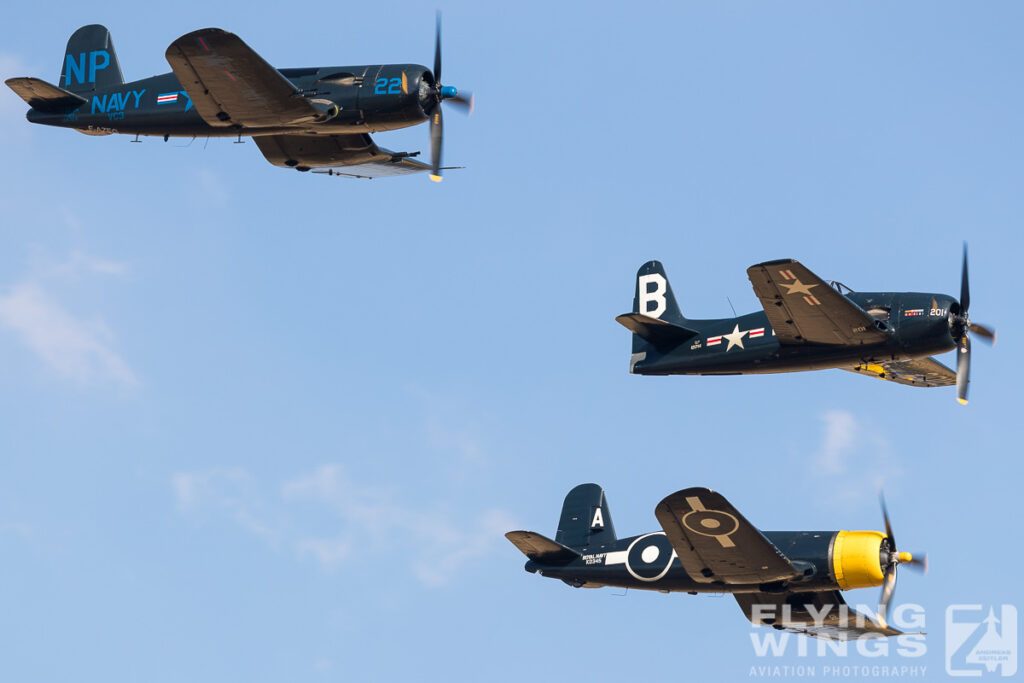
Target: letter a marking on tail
point(657, 295)
point(598, 521)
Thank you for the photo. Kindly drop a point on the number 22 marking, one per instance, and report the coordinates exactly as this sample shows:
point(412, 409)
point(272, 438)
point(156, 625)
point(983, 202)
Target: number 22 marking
point(385, 87)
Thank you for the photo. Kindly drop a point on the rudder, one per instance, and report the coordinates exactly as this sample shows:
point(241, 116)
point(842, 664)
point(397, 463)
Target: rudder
point(90, 62)
point(586, 520)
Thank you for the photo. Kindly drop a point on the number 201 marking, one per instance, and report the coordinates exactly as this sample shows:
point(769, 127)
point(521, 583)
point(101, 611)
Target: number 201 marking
point(385, 87)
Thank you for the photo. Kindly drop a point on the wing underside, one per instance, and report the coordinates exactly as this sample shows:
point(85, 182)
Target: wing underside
point(819, 614)
point(716, 544)
point(804, 309)
point(231, 85)
point(920, 372)
point(354, 154)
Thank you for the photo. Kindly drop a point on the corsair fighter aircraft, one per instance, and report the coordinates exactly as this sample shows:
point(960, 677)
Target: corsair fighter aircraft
point(806, 324)
point(790, 580)
point(316, 118)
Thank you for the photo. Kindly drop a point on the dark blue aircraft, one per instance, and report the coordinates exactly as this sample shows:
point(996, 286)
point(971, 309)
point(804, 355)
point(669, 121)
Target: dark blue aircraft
point(316, 118)
point(806, 324)
point(790, 580)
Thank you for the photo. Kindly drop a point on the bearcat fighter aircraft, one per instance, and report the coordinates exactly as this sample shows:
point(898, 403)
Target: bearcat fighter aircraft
point(315, 118)
point(806, 324)
point(786, 579)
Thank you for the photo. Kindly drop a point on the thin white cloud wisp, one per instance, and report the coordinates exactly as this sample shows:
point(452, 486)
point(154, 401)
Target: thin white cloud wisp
point(73, 348)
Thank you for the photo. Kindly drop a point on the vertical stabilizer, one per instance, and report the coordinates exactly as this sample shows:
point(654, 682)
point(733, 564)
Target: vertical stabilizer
point(586, 520)
point(90, 62)
point(654, 297)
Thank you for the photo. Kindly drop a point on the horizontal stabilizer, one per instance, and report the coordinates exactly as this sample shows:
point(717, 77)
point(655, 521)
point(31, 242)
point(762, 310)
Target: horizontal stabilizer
point(541, 548)
point(43, 96)
point(663, 335)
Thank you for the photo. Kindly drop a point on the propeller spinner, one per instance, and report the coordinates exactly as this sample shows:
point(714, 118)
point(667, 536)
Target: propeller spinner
point(431, 101)
point(959, 325)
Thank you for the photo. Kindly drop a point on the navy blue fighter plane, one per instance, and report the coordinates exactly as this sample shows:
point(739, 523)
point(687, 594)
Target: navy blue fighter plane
point(312, 118)
point(806, 324)
point(790, 580)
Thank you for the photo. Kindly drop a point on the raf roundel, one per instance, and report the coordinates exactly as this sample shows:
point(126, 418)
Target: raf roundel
point(649, 557)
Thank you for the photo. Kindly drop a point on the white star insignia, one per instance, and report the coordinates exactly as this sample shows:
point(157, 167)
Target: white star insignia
point(797, 287)
point(735, 337)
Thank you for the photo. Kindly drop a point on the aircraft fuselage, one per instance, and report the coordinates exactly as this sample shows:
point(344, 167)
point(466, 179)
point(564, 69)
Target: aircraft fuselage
point(917, 323)
point(369, 99)
point(648, 562)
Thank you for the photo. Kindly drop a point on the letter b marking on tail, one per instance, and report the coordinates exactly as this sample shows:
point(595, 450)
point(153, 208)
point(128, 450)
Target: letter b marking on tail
point(655, 296)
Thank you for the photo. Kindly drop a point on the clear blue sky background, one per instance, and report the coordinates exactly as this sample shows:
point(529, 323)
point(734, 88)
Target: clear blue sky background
point(262, 425)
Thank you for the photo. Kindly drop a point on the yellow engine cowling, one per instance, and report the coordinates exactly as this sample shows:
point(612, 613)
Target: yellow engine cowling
point(856, 559)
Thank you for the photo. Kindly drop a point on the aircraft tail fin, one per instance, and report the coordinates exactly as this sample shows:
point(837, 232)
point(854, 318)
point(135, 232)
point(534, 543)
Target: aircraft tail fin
point(653, 295)
point(44, 96)
point(90, 62)
point(656, 319)
point(586, 520)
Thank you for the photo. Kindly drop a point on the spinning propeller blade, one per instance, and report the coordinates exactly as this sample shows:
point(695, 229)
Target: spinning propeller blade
point(893, 559)
point(963, 368)
point(436, 139)
point(960, 324)
point(432, 106)
point(437, 48)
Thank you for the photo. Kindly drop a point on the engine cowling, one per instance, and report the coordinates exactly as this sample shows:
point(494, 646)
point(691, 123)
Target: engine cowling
point(858, 558)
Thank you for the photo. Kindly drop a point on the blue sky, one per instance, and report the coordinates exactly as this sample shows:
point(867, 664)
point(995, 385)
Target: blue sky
point(263, 425)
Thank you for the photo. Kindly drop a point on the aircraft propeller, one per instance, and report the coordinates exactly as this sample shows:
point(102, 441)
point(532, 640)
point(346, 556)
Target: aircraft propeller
point(431, 101)
point(959, 324)
point(893, 558)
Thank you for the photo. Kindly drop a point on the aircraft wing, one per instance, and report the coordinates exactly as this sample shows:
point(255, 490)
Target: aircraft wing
point(354, 154)
point(804, 309)
point(715, 544)
point(920, 372)
point(231, 85)
point(819, 614)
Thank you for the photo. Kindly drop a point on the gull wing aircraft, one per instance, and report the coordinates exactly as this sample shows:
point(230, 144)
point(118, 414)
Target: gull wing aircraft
point(316, 118)
point(790, 580)
point(806, 324)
